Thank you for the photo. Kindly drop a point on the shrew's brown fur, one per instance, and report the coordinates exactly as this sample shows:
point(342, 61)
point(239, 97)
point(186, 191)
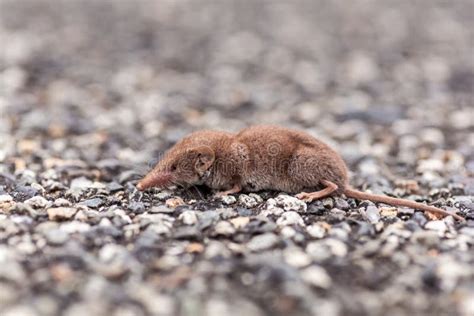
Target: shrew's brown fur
point(262, 158)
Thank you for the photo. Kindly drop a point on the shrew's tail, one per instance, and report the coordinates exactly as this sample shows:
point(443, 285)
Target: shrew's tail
point(398, 202)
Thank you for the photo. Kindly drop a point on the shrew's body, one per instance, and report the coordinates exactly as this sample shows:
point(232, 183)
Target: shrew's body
point(262, 158)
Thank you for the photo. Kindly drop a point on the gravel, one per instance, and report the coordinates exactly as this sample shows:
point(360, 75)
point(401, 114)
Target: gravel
point(93, 92)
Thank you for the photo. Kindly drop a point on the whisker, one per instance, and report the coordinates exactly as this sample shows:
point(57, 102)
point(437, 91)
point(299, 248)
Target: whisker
point(198, 191)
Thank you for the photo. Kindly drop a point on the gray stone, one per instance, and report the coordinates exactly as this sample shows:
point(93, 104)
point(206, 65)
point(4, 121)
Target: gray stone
point(224, 228)
point(290, 203)
point(61, 213)
point(262, 242)
point(92, 203)
point(438, 226)
point(228, 199)
point(38, 202)
point(56, 236)
point(372, 214)
point(161, 209)
point(247, 201)
point(290, 218)
point(188, 217)
point(316, 231)
point(316, 276)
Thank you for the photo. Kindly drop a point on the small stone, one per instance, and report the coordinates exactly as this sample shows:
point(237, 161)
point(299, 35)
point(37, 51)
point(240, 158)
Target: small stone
point(38, 202)
point(136, 207)
point(390, 212)
point(6, 201)
point(290, 203)
point(256, 197)
point(187, 232)
point(174, 202)
point(161, 209)
point(228, 199)
point(240, 222)
point(194, 247)
point(61, 202)
point(341, 203)
point(419, 218)
point(328, 203)
point(426, 237)
point(273, 210)
point(247, 201)
point(438, 226)
point(227, 213)
point(290, 218)
point(163, 195)
point(224, 228)
point(295, 257)
point(244, 211)
point(316, 230)
point(288, 232)
point(92, 203)
point(317, 276)
point(337, 215)
point(81, 183)
point(188, 217)
point(114, 187)
point(371, 214)
point(61, 213)
point(56, 236)
point(75, 227)
point(262, 242)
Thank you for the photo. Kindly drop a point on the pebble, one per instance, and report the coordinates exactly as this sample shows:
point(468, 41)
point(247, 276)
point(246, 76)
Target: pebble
point(6, 201)
point(114, 187)
point(372, 214)
point(56, 237)
point(92, 203)
point(295, 257)
point(289, 203)
point(341, 203)
point(75, 227)
point(262, 242)
point(240, 222)
point(228, 199)
point(438, 226)
point(136, 207)
point(336, 215)
point(290, 218)
point(389, 212)
point(81, 183)
point(316, 230)
point(316, 276)
point(174, 202)
point(161, 209)
point(164, 195)
point(38, 202)
point(188, 217)
point(61, 202)
point(247, 201)
point(61, 213)
point(185, 232)
point(224, 228)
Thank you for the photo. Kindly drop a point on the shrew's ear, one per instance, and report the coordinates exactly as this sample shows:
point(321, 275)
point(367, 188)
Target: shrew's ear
point(204, 156)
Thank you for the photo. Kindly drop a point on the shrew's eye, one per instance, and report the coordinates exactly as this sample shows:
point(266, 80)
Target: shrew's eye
point(173, 167)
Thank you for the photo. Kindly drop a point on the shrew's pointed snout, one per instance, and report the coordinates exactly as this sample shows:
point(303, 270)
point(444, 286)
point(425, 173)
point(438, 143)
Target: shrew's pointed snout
point(154, 179)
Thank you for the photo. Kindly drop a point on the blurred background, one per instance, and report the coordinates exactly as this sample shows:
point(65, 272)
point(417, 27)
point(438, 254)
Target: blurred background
point(92, 91)
point(138, 75)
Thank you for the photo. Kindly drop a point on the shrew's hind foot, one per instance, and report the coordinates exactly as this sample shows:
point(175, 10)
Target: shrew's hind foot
point(235, 189)
point(309, 197)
